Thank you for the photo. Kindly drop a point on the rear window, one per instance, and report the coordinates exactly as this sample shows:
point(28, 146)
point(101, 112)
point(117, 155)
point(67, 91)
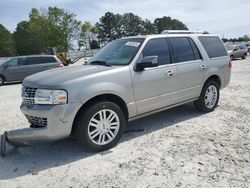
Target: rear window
point(213, 46)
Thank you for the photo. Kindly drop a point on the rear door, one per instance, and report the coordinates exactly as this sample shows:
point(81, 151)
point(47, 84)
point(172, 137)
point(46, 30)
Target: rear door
point(155, 87)
point(35, 65)
point(190, 67)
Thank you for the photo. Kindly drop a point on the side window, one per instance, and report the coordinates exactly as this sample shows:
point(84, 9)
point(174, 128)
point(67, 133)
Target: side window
point(47, 60)
point(237, 48)
point(16, 62)
point(33, 60)
point(182, 49)
point(196, 52)
point(12, 63)
point(160, 48)
point(213, 46)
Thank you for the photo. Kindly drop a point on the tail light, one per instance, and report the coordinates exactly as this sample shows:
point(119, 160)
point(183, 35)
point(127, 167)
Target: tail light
point(61, 65)
point(230, 64)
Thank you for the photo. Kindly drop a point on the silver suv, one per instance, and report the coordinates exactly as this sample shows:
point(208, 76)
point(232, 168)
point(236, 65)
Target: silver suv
point(128, 79)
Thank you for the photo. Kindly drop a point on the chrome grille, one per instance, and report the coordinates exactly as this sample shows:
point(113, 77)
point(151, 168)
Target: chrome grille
point(28, 95)
point(37, 122)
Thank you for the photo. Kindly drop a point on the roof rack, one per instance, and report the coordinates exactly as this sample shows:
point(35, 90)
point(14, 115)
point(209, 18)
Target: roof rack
point(183, 32)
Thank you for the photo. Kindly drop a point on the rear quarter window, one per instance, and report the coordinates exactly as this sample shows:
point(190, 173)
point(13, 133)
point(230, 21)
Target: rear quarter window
point(213, 46)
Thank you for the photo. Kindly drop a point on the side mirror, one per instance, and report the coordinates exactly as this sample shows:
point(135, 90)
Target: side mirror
point(147, 62)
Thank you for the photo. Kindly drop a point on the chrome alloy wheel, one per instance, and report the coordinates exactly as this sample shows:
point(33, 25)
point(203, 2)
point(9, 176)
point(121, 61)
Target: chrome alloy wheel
point(211, 96)
point(103, 127)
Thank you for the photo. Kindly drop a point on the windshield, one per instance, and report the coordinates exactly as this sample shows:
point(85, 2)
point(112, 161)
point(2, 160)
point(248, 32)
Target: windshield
point(118, 52)
point(230, 47)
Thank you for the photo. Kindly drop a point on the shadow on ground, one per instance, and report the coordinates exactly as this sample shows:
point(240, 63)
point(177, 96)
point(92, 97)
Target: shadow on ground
point(49, 155)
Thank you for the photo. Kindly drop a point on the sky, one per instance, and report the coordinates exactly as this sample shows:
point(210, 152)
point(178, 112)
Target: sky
point(228, 18)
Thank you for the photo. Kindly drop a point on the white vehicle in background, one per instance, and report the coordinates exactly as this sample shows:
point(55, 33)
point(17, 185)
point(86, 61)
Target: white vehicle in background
point(237, 51)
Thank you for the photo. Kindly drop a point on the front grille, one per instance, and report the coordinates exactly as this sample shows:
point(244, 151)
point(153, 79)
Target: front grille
point(37, 122)
point(28, 95)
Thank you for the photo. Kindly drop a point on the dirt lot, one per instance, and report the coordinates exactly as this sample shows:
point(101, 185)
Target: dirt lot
point(178, 148)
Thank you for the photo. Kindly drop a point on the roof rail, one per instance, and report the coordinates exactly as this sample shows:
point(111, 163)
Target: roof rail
point(183, 32)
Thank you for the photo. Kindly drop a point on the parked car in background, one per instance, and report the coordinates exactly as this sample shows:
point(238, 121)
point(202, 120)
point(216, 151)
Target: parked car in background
point(17, 68)
point(237, 51)
point(248, 46)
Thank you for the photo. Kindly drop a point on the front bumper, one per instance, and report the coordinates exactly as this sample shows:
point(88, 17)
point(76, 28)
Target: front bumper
point(59, 124)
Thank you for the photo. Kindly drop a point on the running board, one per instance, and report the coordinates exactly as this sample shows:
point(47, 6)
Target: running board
point(159, 110)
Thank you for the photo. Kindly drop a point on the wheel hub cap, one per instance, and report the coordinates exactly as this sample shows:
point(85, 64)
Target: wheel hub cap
point(211, 96)
point(103, 127)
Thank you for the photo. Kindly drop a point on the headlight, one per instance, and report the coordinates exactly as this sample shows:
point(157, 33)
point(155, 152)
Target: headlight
point(44, 96)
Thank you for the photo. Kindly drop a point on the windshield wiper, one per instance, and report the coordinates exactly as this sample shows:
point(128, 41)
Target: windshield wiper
point(104, 63)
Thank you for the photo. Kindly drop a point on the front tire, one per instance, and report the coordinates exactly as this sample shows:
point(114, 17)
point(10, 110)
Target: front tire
point(209, 97)
point(100, 126)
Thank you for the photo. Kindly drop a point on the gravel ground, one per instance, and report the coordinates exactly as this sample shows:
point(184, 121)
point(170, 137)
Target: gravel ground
point(177, 148)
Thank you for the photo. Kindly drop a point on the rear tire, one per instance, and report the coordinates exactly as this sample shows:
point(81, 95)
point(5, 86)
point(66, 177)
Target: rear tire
point(100, 126)
point(209, 97)
point(244, 56)
point(2, 80)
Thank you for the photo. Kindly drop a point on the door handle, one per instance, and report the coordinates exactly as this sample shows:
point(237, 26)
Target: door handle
point(203, 67)
point(169, 73)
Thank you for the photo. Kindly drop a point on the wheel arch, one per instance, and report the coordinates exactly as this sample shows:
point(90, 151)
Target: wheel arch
point(102, 97)
point(3, 77)
point(215, 78)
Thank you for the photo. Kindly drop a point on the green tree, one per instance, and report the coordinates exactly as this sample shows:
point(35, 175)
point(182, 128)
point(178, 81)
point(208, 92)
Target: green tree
point(109, 26)
point(131, 25)
point(52, 27)
point(24, 40)
point(7, 45)
point(88, 34)
point(167, 23)
point(148, 27)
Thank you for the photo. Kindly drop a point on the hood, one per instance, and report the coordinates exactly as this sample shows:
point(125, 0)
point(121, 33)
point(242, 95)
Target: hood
point(57, 77)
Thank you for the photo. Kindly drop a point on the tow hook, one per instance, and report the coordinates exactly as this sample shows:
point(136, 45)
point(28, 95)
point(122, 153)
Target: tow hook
point(6, 146)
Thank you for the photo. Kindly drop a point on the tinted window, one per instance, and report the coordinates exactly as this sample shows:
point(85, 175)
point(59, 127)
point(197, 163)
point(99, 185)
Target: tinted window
point(213, 46)
point(182, 49)
point(40, 60)
point(158, 47)
point(16, 62)
point(33, 60)
point(48, 59)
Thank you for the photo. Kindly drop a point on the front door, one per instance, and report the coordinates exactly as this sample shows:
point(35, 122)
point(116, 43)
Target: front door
point(155, 88)
point(16, 69)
